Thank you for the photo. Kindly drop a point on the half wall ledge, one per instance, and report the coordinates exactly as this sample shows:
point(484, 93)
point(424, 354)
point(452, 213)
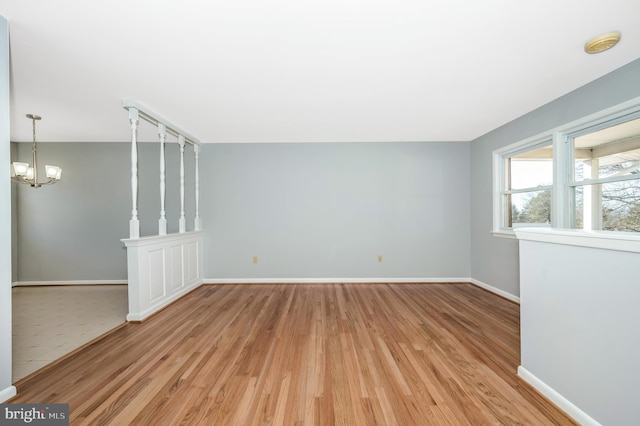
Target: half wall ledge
point(607, 240)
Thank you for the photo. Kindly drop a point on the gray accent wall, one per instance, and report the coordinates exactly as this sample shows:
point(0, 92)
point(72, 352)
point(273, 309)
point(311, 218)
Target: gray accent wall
point(72, 230)
point(14, 222)
point(494, 260)
point(329, 210)
point(306, 210)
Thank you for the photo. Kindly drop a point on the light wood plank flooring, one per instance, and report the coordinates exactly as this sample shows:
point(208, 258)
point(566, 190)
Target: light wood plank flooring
point(344, 354)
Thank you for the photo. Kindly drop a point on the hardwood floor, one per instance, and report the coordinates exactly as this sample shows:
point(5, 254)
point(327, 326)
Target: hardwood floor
point(344, 354)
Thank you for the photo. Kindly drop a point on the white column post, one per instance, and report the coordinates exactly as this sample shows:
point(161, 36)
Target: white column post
point(591, 197)
point(162, 222)
point(134, 223)
point(197, 225)
point(587, 198)
point(182, 223)
point(596, 197)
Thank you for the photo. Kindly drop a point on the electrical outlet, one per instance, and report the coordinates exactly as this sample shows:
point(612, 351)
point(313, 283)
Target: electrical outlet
point(380, 258)
point(255, 259)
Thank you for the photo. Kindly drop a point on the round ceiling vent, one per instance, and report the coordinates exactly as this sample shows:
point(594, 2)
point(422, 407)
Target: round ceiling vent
point(602, 42)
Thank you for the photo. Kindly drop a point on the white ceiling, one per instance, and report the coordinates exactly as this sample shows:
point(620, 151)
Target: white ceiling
point(302, 70)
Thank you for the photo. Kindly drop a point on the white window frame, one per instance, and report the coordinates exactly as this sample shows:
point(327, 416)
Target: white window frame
point(500, 184)
point(562, 209)
point(596, 210)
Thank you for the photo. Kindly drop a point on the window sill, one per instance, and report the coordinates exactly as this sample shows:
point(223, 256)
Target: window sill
point(504, 233)
point(607, 240)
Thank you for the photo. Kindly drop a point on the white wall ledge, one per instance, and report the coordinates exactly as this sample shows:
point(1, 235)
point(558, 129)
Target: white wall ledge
point(504, 234)
point(154, 239)
point(607, 240)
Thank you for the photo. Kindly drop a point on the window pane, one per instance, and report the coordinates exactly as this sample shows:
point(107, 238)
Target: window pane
point(614, 151)
point(621, 206)
point(611, 206)
point(530, 169)
point(613, 165)
point(529, 209)
point(579, 204)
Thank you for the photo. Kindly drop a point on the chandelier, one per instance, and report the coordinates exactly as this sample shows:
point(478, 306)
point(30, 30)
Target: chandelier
point(24, 173)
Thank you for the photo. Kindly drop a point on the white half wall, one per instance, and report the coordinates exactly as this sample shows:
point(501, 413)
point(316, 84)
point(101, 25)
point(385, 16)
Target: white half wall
point(162, 269)
point(579, 319)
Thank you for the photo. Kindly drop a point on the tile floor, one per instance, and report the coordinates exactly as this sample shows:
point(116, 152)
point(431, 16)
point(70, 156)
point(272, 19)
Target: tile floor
point(51, 321)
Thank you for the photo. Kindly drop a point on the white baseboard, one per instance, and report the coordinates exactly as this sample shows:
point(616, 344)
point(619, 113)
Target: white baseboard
point(141, 316)
point(8, 393)
point(71, 282)
point(495, 290)
point(559, 400)
point(485, 286)
point(478, 283)
point(332, 280)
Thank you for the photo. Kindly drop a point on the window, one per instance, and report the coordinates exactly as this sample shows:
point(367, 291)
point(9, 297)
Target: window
point(585, 175)
point(606, 178)
point(526, 184)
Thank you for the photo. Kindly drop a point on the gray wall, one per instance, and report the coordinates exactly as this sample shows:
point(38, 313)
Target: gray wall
point(306, 210)
point(328, 210)
point(14, 222)
point(494, 260)
point(71, 230)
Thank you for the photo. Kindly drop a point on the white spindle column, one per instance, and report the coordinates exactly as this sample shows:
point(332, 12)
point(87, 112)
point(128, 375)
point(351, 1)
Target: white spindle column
point(196, 152)
point(162, 222)
point(134, 223)
point(596, 196)
point(182, 222)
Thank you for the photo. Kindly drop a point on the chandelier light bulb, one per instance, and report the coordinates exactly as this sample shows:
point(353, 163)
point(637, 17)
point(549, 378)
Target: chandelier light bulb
point(20, 169)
